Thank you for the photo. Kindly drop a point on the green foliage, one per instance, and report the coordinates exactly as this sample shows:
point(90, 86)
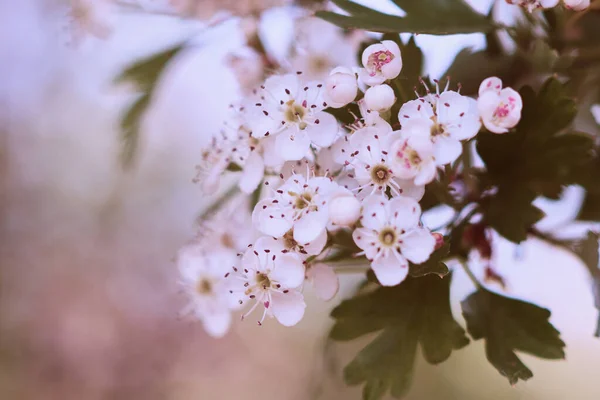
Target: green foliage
point(509, 325)
point(415, 312)
point(145, 74)
point(532, 159)
point(437, 17)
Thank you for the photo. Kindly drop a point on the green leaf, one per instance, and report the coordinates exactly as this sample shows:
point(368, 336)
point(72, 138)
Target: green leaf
point(435, 265)
point(509, 325)
point(146, 72)
point(523, 214)
point(415, 312)
point(438, 17)
point(536, 158)
point(130, 130)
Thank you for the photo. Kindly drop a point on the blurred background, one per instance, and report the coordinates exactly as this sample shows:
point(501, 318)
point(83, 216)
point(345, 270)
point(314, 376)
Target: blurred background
point(89, 300)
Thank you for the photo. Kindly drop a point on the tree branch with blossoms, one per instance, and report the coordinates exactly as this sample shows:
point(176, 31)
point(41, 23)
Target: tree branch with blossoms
point(340, 172)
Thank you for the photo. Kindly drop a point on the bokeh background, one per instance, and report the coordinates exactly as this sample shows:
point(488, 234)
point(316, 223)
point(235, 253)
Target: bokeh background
point(88, 290)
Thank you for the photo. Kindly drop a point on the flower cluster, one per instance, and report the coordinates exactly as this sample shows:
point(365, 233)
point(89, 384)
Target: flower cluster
point(530, 5)
point(315, 177)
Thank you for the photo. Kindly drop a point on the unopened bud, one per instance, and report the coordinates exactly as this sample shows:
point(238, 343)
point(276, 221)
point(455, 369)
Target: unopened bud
point(344, 210)
point(340, 87)
point(380, 97)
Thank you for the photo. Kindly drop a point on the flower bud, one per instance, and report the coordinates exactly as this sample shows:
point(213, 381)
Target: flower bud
point(381, 61)
point(344, 209)
point(380, 97)
point(340, 87)
point(577, 5)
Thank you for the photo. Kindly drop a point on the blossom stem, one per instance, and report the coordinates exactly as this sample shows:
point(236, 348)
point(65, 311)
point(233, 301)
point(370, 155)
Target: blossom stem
point(470, 274)
point(219, 202)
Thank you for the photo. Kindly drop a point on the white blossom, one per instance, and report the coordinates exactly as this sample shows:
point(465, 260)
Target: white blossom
point(291, 110)
point(320, 46)
point(300, 203)
point(269, 278)
point(381, 61)
point(341, 87)
point(500, 109)
point(374, 168)
point(380, 97)
point(214, 160)
point(202, 271)
point(446, 119)
point(391, 237)
point(412, 155)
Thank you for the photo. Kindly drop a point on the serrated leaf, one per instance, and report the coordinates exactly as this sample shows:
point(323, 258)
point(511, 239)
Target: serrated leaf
point(416, 311)
point(507, 326)
point(438, 17)
point(534, 159)
point(511, 212)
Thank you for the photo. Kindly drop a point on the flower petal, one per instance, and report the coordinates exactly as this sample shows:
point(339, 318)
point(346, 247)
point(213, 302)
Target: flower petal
point(254, 170)
point(288, 307)
point(310, 226)
point(316, 246)
point(417, 245)
point(324, 280)
point(405, 212)
point(217, 322)
point(375, 212)
point(323, 134)
point(267, 219)
point(446, 150)
point(366, 239)
point(390, 269)
point(292, 145)
point(426, 173)
point(288, 271)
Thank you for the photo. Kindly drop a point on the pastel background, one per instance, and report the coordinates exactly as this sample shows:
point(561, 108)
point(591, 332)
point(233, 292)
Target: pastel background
point(88, 294)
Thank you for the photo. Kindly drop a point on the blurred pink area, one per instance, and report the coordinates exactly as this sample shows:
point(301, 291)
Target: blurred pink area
point(89, 297)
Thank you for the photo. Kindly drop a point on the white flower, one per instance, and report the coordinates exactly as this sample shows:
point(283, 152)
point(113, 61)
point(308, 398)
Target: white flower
point(391, 237)
point(381, 61)
point(344, 208)
point(380, 97)
point(214, 160)
point(252, 154)
point(269, 277)
point(500, 109)
point(203, 279)
point(531, 5)
point(229, 229)
point(293, 111)
point(446, 119)
point(411, 155)
point(323, 279)
point(300, 203)
point(313, 248)
point(577, 5)
point(373, 166)
point(320, 47)
point(341, 87)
